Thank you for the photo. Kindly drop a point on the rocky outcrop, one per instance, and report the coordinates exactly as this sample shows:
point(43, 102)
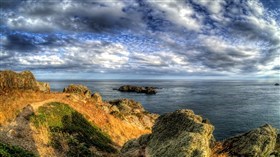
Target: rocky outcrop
point(276, 84)
point(180, 134)
point(184, 134)
point(97, 97)
point(78, 89)
point(10, 80)
point(255, 143)
point(44, 87)
point(19, 132)
point(137, 89)
point(131, 112)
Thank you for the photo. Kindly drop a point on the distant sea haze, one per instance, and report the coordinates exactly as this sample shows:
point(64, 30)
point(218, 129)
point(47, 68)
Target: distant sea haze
point(232, 106)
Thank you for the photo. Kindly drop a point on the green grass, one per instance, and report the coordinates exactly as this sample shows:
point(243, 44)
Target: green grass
point(69, 128)
point(51, 114)
point(13, 151)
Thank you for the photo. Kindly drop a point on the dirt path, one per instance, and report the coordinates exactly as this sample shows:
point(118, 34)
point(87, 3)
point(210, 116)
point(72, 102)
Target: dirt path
point(36, 105)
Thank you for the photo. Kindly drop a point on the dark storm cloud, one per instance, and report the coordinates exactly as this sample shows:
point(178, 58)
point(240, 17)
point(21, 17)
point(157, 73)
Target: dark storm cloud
point(17, 42)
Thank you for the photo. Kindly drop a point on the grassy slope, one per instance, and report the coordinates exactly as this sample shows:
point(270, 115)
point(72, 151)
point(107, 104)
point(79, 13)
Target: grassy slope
point(120, 132)
point(71, 133)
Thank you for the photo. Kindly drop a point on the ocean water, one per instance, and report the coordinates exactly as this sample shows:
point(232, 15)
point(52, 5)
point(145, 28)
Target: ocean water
point(233, 107)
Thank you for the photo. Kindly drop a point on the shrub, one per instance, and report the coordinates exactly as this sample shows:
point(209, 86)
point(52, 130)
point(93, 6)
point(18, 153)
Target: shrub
point(7, 150)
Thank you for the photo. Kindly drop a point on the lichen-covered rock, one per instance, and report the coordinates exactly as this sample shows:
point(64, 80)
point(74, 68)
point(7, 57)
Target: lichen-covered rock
point(135, 147)
point(132, 112)
point(10, 80)
point(44, 87)
point(255, 143)
point(180, 134)
point(276, 151)
point(127, 105)
point(138, 89)
point(78, 89)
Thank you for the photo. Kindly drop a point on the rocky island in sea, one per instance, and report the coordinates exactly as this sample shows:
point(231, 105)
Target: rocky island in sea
point(138, 89)
point(34, 121)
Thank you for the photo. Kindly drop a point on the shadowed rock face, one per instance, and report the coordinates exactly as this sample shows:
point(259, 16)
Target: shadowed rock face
point(10, 80)
point(255, 143)
point(180, 134)
point(137, 89)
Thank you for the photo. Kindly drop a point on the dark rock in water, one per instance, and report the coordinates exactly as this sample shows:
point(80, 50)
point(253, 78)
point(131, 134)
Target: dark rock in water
point(276, 84)
point(10, 80)
point(79, 89)
point(255, 143)
point(138, 89)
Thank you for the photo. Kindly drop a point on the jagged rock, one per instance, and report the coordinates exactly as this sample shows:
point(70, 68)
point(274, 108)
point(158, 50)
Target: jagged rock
point(180, 134)
point(136, 147)
point(79, 89)
point(10, 80)
point(137, 89)
point(127, 105)
point(27, 111)
point(258, 142)
point(276, 151)
point(97, 97)
point(44, 87)
point(132, 112)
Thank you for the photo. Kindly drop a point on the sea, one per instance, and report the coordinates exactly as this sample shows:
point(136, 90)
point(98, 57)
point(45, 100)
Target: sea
point(232, 106)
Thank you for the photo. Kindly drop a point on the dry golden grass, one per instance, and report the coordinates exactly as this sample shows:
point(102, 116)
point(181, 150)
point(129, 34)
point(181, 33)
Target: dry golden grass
point(120, 132)
point(216, 150)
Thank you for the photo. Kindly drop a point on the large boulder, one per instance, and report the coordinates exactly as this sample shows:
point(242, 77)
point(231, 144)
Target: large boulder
point(138, 89)
point(257, 142)
point(78, 89)
point(43, 86)
point(180, 134)
point(132, 112)
point(10, 80)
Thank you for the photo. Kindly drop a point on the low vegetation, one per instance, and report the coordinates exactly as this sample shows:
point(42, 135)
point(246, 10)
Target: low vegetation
point(7, 150)
point(71, 133)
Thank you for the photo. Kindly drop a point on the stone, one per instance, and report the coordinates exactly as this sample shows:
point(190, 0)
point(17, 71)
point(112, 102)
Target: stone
point(180, 134)
point(10, 80)
point(78, 89)
point(132, 112)
point(97, 97)
point(255, 143)
point(138, 89)
point(44, 87)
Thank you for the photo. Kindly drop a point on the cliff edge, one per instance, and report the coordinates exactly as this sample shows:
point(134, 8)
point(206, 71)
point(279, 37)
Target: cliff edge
point(10, 80)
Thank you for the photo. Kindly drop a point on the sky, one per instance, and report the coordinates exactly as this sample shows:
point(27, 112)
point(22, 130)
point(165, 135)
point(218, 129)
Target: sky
point(139, 39)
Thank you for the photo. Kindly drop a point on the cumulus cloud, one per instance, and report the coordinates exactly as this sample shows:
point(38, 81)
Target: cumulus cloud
point(145, 37)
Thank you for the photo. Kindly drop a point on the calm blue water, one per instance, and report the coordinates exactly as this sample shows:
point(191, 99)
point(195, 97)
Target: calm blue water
point(232, 106)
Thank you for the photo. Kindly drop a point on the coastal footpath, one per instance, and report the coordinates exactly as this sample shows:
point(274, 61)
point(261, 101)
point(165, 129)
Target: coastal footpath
point(76, 122)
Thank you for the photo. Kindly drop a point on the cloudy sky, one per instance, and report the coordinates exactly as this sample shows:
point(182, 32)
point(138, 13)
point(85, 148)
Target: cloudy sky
point(87, 39)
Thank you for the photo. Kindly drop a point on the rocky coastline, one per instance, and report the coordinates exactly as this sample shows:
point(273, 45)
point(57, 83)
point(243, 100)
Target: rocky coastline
point(181, 133)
